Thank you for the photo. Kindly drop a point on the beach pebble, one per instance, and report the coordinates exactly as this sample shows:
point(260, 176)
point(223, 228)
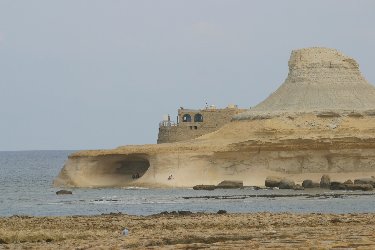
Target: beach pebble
point(125, 232)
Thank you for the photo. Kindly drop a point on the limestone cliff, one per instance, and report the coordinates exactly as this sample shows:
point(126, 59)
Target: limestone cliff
point(320, 120)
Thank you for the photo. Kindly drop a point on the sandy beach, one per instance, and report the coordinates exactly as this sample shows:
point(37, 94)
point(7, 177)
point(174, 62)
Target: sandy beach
point(190, 231)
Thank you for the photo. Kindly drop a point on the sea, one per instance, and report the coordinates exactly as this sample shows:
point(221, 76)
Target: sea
point(26, 189)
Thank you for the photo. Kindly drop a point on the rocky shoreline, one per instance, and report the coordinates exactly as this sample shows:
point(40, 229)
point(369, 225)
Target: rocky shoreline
point(186, 230)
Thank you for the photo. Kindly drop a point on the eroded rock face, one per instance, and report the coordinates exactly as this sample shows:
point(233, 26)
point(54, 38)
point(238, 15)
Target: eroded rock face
point(321, 121)
point(319, 80)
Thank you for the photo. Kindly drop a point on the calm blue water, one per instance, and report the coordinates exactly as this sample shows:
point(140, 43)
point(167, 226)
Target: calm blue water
point(26, 189)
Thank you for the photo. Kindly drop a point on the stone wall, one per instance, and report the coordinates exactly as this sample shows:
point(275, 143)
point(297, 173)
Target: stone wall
point(213, 119)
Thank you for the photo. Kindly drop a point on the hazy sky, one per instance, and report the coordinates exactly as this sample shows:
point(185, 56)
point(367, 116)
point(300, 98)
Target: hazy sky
point(99, 74)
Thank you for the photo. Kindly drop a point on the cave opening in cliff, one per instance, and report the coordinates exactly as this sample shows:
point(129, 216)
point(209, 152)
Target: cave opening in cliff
point(118, 170)
point(132, 167)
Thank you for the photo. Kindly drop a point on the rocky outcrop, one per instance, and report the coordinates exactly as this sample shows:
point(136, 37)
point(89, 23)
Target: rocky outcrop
point(286, 184)
point(370, 181)
point(325, 181)
point(230, 184)
point(363, 187)
point(310, 184)
point(336, 185)
point(272, 181)
point(319, 122)
point(279, 182)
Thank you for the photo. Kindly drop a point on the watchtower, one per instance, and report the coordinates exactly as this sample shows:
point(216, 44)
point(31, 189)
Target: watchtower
point(192, 123)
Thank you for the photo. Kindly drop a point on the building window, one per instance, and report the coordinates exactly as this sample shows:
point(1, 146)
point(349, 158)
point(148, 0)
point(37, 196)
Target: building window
point(191, 127)
point(198, 118)
point(186, 118)
point(195, 127)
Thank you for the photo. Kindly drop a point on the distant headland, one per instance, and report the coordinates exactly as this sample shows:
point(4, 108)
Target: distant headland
point(321, 120)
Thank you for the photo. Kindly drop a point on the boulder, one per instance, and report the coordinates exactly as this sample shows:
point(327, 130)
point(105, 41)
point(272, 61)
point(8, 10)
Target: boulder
point(325, 182)
point(63, 192)
point(362, 187)
point(221, 211)
point(286, 184)
point(348, 182)
point(310, 184)
point(370, 181)
point(204, 187)
point(298, 187)
point(272, 181)
point(184, 212)
point(335, 185)
point(230, 184)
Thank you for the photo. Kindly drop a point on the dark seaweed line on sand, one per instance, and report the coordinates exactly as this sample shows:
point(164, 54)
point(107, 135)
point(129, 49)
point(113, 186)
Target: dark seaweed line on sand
point(238, 197)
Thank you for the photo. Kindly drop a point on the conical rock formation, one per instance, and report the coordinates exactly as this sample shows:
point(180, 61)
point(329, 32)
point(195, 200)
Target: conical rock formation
point(319, 80)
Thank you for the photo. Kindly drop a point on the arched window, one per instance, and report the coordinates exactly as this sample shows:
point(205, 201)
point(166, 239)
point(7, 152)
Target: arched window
point(186, 118)
point(198, 118)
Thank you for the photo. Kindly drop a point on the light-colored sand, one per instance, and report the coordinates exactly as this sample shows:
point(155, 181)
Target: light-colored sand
point(196, 231)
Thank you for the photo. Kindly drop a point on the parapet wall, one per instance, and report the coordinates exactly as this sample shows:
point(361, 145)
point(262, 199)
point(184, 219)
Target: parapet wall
point(194, 123)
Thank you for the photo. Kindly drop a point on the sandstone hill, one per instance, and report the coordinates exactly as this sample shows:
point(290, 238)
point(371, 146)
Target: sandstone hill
point(321, 120)
point(319, 79)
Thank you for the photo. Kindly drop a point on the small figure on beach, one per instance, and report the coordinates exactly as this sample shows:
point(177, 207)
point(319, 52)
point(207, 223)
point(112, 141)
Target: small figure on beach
point(170, 177)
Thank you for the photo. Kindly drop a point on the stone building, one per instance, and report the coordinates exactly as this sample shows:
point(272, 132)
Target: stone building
point(192, 123)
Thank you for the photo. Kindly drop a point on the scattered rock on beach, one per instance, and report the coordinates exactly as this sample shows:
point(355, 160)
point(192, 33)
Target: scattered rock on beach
point(286, 184)
point(370, 181)
point(272, 181)
point(298, 187)
point(335, 185)
point(63, 192)
point(348, 182)
point(325, 181)
point(230, 184)
point(221, 212)
point(310, 184)
point(184, 212)
point(204, 187)
point(362, 187)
